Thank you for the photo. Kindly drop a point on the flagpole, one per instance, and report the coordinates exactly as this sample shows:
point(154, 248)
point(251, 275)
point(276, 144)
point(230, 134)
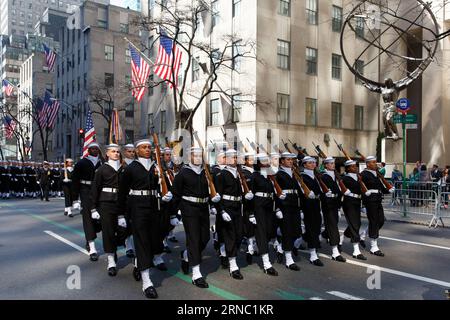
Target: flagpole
point(138, 50)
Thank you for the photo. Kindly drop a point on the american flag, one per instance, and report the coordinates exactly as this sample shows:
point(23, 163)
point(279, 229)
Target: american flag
point(167, 52)
point(10, 125)
point(89, 133)
point(140, 71)
point(115, 133)
point(7, 87)
point(50, 57)
point(40, 112)
point(51, 108)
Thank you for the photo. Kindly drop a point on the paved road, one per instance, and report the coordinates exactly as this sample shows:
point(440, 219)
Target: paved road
point(38, 244)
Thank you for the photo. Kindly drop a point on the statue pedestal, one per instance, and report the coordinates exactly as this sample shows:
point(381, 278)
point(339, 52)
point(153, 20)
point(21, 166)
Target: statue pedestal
point(391, 151)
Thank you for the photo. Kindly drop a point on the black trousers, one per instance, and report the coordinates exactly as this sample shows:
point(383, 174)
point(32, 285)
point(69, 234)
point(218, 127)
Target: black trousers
point(145, 225)
point(375, 215)
point(196, 227)
point(45, 190)
point(67, 195)
point(219, 228)
point(313, 222)
point(88, 223)
point(232, 232)
point(352, 212)
point(264, 230)
point(166, 227)
point(109, 220)
point(290, 227)
point(330, 210)
point(249, 228)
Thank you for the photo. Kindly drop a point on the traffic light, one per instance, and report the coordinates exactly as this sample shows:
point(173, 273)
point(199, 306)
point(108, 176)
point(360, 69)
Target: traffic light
point(81, 131)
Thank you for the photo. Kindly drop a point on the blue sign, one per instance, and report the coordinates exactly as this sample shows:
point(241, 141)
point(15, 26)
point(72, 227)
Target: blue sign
point(403, 105)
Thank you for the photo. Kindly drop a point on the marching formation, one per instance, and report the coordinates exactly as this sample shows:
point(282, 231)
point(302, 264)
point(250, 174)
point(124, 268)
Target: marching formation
point(136, 196)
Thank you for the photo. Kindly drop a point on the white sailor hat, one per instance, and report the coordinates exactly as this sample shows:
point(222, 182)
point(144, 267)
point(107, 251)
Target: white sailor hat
point(112, 145)
point(349, 163)
point(45, 162)
point(249, 154)
point(93, 144)
point(167, 150)
point(288, 155)
point(196, 150)
point(328, 160)
point(371, 158)
point(262, 156)
point(69, 160)
point(129, 146)
point(221, 153)
point(274, 155)
point(141, 142)
point(308, 159)
point(230, 153)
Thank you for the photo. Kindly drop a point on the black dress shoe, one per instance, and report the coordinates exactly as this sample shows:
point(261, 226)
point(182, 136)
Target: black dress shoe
point(249, 258)
point(93, 256)
point(293, 267)
point(150, 293)
point(360, 257)
point(137, 274)
point(184, 264)
point(271, 271)
point(87, 247)
point(162, 266)
point(224, 262)
point(201, 283)
point(377, 253)
point(317, 263)
point(339, 258)
point(279, 257)
point(362, 243)
point(130, 254)
point(340, 248)
point(167, 249)
point(236, 274)
point(65, 213)
point(112, 272)
point(295, 251)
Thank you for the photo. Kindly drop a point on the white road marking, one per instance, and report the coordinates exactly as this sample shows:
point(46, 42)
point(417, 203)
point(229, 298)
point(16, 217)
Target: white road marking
point(315, 298)
point(73, 245)
point(344, 295)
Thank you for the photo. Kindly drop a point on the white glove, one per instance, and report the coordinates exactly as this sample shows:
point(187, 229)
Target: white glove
point(311, 195)
point(249, 196)
point(368, 193)
point(174, 221)
point(279, 214)
point(302, 216)
point(66, 180)
point(216, 198)
point(252, 219)
point(95, 215)
point(167, 197)
point(77, 205)
point(226, 217)
point(212, 211)
point(329, 194)
point(392, 190)
point(348, 192)
point(282, 196)
point(122, 222)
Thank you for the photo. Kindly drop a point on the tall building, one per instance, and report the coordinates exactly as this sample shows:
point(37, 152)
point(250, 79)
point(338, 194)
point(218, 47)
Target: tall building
point(297, 86)
point(94, 74)
point(18, 17)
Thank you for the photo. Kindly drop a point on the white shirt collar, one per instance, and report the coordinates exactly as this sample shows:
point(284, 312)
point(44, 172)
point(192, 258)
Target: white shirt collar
point(232, 170)
point(264, 172)
point(353, 175)
point(287, 170)
point(115, 164)
point(147, 163)
point(310, 173)
point(274, 169)
point(195, 168)
point(128, 161)
point(372, 172)
point(331, 174)
point(70, 169)
point(248, 168)
point(93, 159)
point(222, 166)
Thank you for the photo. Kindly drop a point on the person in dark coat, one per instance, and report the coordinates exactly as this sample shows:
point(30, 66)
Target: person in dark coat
point(45, 181)
point(5, 180)
point(66, 178)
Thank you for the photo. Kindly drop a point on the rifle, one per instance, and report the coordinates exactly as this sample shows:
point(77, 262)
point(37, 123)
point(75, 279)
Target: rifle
point(164, 188)
point(278, 189)
point(168, 171)
point(209, 179)
point(361, 183)
point(386, 183)
point(300, 150)
point(297, 173)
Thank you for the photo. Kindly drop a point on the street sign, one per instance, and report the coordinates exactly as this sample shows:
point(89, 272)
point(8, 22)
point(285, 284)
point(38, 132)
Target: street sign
point(410, 118)
point(403, 105)
point(411, 126)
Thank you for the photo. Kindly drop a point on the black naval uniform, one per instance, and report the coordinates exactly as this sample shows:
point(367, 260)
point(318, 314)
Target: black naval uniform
point(67, 188)
point(228, 185)
point(375, 213)
point(290, 207)
point(5, 181)
point(215, 170)
point(32, 184)
point(167, 209)
point(352, 207)
point(44, 181)
point(191, 197)
point(139, 199)
point(330, 207)
point(82, 177)
point(311, 212)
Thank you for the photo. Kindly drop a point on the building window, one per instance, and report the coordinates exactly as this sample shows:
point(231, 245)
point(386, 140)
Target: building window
point(283, 107)
point(78, 83)
point(150, 89)
point(311, 61)
point(359, 28)
point(85, 81)
point(195, 69)
point(163, 122)
point(124, 28)
point(109, 80)
point(109, 53)
point(236, 63)
point(150, 124)
point(214, 112)
point(359, 67)
point(284, 7)
point(311, 112)
point(336, 21)
point(102, 24)
point(49, 87)
point(311, 11)
point(129, 136)
point(129, 111)
point(359, 117)
point(214, 13)
point(85, 52)
point(336, 115)
point(336, 66)
point(127, 56)
point(163, 89)
point(237, 108)
point(236, 7)
point(283, 54)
